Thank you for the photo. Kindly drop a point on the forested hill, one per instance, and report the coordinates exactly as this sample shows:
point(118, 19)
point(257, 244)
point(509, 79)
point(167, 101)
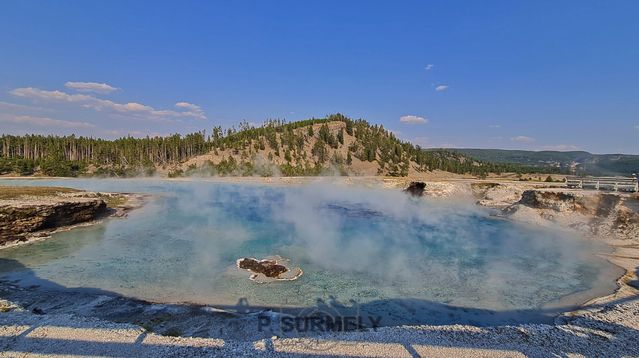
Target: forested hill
point(332, 145)
point(575, 162)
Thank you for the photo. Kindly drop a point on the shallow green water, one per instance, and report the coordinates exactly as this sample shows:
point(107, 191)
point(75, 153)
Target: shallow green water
point(353, 243)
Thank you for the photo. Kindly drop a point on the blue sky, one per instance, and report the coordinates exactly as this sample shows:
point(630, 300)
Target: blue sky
point(488, 74)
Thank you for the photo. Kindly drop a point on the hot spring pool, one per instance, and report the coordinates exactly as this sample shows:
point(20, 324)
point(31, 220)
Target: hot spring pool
point(378, 248)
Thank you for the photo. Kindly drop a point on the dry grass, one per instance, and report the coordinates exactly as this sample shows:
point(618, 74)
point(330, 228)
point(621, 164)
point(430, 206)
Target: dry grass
point(114, 201)
point(12, 192)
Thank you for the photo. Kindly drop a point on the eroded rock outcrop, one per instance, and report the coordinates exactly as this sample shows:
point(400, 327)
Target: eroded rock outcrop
point(558, 201)
point(269, 269)
point(416, 188)
point(20, 218)
point(606, 216)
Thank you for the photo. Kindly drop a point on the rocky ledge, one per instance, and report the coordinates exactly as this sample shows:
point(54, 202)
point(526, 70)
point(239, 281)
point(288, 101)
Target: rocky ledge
point(555, 200)
point(32, 212)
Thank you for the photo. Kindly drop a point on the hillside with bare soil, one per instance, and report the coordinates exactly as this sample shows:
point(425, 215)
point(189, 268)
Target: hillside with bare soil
point(335, 145)
point(332, 146)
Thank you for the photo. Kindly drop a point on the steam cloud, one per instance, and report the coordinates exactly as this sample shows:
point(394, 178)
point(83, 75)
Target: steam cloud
point(351, 241)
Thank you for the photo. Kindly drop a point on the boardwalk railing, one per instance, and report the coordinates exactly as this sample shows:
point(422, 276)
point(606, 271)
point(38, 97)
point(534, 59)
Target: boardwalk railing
point(603, 183)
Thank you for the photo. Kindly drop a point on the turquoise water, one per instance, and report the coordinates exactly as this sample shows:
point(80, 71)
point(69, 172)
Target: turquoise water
point(359, 244)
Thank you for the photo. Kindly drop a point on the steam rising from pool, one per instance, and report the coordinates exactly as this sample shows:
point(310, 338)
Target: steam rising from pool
point(353, 243)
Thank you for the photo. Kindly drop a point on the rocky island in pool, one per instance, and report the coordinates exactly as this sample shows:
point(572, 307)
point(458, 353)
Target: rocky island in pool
point(269, 269)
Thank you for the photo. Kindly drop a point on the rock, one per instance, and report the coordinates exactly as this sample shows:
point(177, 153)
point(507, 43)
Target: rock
point(416, 188)
point(268, 268)
point(20, 218)
point(558, 201)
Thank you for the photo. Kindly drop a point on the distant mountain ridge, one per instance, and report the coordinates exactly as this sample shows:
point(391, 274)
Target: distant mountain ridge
point(573, 162)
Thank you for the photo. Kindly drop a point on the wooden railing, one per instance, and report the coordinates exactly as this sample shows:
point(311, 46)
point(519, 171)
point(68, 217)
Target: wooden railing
point(603, 183)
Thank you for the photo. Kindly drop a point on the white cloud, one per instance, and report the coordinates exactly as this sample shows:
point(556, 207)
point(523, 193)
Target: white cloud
point(12, 106)
point(136, 107)
point(15, 107)
point(187, 105)
point(441, 88)
point(411, 119)
point(494, 126)
point(522, 139)
point(90, 87)
point(429, 67)
point(98, 104)
point(44, 121)
point(637, 126)
point(561, 147)
point(193, 110)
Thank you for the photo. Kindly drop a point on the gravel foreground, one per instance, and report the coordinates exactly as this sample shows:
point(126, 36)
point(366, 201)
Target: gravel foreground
point(608, 330)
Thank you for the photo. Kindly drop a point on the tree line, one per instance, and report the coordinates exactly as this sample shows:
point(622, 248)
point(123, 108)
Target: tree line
point(73, 155)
